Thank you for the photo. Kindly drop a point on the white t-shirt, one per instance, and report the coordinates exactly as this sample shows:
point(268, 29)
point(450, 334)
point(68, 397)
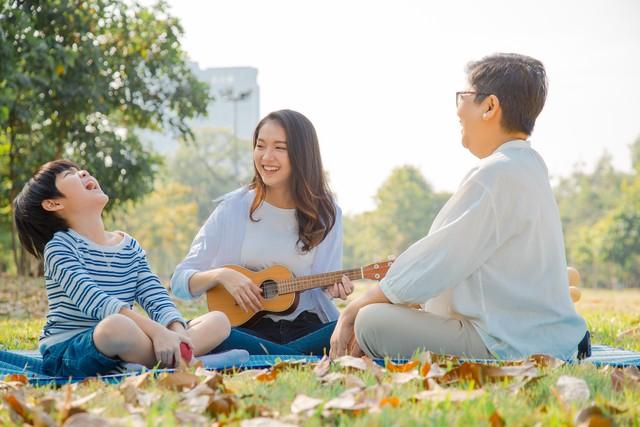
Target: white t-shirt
point(273, 240)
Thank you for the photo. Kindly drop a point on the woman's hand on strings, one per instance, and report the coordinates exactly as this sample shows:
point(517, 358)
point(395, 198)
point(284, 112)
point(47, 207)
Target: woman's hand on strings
point(341, 289)
point(242, 289)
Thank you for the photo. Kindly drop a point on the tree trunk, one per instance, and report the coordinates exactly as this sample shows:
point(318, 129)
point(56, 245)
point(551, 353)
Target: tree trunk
point(13, 191)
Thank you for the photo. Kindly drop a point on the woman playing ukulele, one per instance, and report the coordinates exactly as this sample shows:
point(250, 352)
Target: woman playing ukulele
point(287, 216)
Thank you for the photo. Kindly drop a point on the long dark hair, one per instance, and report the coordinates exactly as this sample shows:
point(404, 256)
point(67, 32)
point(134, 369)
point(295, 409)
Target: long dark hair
point(36, 226)
point(315, 209)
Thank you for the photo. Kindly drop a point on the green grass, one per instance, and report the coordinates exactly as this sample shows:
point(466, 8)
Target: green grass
point(607, 313)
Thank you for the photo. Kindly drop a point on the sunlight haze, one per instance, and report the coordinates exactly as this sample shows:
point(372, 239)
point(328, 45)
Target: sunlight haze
point(378, 78)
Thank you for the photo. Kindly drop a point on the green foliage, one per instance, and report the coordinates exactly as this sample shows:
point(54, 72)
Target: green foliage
point(76, 79)
point(600, 220)
point(211, 164)
point(621, 234)
point(164, 222)
point(405, 208)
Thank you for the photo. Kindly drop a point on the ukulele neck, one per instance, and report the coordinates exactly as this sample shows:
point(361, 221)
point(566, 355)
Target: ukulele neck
point(317, 281)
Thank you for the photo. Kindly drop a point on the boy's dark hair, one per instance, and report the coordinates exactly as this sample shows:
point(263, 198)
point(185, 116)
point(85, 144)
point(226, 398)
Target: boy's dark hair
point(519, 82)
point(36, 226)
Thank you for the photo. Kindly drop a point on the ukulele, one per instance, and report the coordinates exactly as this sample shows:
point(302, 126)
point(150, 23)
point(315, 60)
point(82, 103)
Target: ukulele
point(280, 289)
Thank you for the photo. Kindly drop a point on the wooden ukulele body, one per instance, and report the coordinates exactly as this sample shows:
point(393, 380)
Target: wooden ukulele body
point(218, 299)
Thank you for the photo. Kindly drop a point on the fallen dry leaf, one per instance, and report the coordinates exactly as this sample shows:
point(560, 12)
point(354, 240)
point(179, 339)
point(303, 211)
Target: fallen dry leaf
point(177, 380)
point(130, 387)
point(352, 381)
point(346, 401)
point(222, 404)
point(435, 371)
point(356, 363)
point(592, 416)
point(215, 381)
point(374, 368)
point(630, 332)
point(266, 376)
point(20, 412)
point(303, 403)
point(545, 361)
point(86, 419)
point(286, 364)
point(572, 389)
point(404, 367)
point(16, 378)
point(264, 422)
point(259, 411)
point(425, 368)
point(495, 420)
point(473, 372)
point(393, 401)
point(322, 367)
point(480, 373)
point(332, 377)
point(81, 401)
point(628, 377)
point(17, 405)
point(441, 395)
point(405, 377)
point(190, 419)
point(528, 370)
point(197, 404)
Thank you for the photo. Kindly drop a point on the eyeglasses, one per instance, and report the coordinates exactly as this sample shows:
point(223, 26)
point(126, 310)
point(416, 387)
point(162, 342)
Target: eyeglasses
point(468, 92)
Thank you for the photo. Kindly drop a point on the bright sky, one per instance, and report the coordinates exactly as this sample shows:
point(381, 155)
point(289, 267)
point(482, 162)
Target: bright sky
point(377, 78)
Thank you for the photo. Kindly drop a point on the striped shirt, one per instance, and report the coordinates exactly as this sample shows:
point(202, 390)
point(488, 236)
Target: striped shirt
point(87, 282)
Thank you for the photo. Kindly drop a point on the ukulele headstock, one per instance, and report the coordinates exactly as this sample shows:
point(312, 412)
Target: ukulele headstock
point(376, 271)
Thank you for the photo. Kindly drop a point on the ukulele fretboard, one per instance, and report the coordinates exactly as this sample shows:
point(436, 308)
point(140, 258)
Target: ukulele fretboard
point(317, 281)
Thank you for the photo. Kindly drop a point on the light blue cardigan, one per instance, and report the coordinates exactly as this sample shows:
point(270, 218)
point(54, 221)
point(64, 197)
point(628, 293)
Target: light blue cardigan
point(219, 243)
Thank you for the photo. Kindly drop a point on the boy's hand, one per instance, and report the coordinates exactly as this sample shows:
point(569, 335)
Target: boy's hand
point(166, 346)
point(176, 326)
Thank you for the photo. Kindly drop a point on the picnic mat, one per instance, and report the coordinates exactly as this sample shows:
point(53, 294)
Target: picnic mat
point(29, 363)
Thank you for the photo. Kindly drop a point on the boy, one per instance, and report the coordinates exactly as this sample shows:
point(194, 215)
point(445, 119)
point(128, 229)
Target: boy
point(93, 277)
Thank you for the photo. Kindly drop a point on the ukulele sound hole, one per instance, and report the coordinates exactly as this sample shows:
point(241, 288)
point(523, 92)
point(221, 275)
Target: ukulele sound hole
point(269, 289)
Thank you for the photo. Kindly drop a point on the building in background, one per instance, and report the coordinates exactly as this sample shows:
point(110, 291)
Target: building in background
point(235, 108)
point(237, 99)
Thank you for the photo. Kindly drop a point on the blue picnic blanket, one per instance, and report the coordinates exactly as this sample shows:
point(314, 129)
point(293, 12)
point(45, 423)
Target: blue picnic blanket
point(29, 363)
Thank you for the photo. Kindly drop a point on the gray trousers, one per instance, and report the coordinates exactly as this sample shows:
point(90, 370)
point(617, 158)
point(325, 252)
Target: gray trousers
point(398, 331)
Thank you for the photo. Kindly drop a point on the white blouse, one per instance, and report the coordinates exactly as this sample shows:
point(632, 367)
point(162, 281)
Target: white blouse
point(273, 239)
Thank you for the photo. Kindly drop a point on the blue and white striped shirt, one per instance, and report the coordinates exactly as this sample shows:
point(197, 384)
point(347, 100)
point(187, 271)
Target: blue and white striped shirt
point(87, 282)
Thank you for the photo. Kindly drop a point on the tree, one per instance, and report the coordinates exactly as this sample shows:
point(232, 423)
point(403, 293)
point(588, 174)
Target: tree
point(77, 78)
point(584, 198)
point(164, 222)
point(621, 236)
point(212, 164)
point(406, 205)
point(635, 155)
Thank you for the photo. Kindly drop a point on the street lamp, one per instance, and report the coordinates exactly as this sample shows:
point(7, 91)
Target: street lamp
point(230, 96)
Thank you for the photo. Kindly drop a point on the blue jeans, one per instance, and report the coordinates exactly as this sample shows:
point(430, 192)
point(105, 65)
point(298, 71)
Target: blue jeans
point(78, 357)
point(310, 337)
